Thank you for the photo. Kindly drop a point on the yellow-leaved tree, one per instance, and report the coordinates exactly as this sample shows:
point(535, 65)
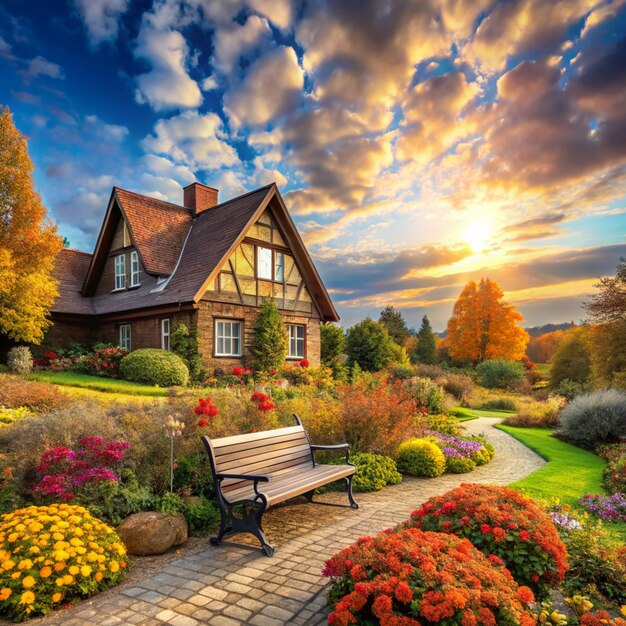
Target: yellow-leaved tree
point(28, 242)
point(483, 326)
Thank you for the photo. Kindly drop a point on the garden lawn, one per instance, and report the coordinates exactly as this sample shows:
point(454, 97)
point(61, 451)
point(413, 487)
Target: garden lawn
point(97, 383)
point(464, 414)
point(544, 368)
point(568, 475)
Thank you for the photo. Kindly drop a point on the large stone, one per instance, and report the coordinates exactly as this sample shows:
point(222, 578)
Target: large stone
point(152, 532)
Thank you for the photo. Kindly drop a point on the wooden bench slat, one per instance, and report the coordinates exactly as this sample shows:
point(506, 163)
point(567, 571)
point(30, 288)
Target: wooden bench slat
point(264, 434)
point(260, 457)
point(303, 462)
point(243, 453)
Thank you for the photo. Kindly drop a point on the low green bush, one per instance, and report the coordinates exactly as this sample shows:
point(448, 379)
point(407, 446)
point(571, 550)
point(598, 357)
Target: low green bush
point(485, 454)
point(421, 457)
point(500, 373)
point(595, 418)
point(154, 367)
point(201, 514)
point(570, 389)
point(374, 471)
point(499, 404)
point(459, 465)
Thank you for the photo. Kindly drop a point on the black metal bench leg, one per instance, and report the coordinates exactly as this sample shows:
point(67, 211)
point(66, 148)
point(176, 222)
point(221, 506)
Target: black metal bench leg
point(309, 495)
point(224, 530)
point(353, 503)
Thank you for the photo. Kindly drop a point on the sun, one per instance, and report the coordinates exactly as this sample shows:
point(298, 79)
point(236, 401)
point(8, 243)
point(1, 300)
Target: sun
point(477, 236)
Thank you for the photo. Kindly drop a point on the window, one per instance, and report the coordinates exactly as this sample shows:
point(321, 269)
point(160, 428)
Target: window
point(264, 263)
point(125, 342)
point(120, 271)
point(279, 267)
point(296, 341)
point(227, 338)
point(134, 269)
point(165, 334)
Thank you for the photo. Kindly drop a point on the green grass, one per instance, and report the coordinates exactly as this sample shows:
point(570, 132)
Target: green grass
point(97, 383)
point(544, 368)
point(463, 414)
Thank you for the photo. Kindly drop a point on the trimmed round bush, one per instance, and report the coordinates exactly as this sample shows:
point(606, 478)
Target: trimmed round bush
point(374, 471)
point(459, 465)
point(593, 418)
point(501, 522)
point(420, 457)
point(415, 577)
point(52, 554)
point(500, 373)
point(20, 360)
point(154, 367)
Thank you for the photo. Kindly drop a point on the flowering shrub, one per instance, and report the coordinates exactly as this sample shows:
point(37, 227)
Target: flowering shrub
point(415, 577)
point(501, 522)
point(457, 464)
point(65, 471)
point(51, 554)
point(442, 423)
point(421, 457)
point(205, 408)
point(478, 452)
point(38, 397)
point(378, 419)
point(608, 508)
point(263, 401)
point(614, 474)
point(9, 416)
point(601, 618)
point(374, 471)
point(104, 362)
point(320, 377)
point(425, 393)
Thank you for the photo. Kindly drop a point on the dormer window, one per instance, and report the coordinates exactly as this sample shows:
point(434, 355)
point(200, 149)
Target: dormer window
point(134, 269)
point(120, 272)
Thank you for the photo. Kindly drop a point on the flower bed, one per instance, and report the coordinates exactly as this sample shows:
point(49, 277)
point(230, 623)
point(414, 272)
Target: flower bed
point(608, 508)
point(51, 554)
point(414, 577)
point(500, 522)
point(614, 475)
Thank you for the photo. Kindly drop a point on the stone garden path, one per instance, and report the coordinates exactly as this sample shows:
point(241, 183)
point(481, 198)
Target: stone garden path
point(237, 584)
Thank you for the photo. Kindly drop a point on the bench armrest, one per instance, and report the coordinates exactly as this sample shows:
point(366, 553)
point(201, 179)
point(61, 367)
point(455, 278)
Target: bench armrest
point(339, 446)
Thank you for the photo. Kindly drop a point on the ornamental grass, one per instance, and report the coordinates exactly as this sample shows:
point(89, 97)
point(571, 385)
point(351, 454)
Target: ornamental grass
point(415, 577)
point(52, 554)
point(500, 522)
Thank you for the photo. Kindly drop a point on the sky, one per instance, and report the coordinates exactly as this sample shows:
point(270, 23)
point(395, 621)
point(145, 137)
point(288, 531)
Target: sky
point(418, 143)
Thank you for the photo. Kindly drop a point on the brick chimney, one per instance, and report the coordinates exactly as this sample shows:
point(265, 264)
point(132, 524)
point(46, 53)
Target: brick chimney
point(199, 197)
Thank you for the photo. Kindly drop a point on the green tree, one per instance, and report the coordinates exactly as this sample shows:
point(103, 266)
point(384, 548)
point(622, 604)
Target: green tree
point(369, 345)
point(426, 349)
point(185, 343)
point(29, 242)
point(333, 345)
point(395, 324)
point(607, 309)
point(271, 340)
point(572, 357)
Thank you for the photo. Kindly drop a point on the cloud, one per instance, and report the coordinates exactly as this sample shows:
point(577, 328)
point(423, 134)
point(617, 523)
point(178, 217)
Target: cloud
point(42, 67)
point(271, 89)
point(279, 12)
point(101, 18)
point(105, 131)
point(167, 85)
point(192, 139)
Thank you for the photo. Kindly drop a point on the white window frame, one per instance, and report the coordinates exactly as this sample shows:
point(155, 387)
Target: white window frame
point(126, 332)
point(294, 341)
point(166, 326)
point(224, 337)
point(281, 256)
point(134, 269)
point(120, 272)
point(268, 273)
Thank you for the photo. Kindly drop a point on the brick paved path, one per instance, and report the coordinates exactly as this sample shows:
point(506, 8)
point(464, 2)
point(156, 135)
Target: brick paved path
point(236, 584)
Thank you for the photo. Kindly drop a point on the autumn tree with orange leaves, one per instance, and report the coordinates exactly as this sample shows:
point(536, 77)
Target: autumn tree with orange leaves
point(29, 242)
point(483, 326)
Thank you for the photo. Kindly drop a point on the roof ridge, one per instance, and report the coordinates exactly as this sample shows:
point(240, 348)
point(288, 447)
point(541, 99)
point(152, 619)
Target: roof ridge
point(243, 195)
point(76, 250)
point(143, 195)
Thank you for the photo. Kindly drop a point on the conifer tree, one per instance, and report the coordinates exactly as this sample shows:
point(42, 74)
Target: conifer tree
point(395, 324)
point(271, 341)
point(426, 350)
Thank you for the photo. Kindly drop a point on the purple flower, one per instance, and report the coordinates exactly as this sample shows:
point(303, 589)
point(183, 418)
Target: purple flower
point(608, 508)
point(565, 521)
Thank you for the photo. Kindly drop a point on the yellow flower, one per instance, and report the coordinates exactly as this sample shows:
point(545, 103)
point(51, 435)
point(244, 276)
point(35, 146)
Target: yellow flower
point(76, 542)
point(67, 579)
point(56, 597)
point(59, 582)
point(35, 527)
point(58, 536)
point(61, 555)
point(45, 571)
point(623, 610)
point(8, 564)
point(85, 570)
point(25, 564)
point(28, 582)
point(114, 566)
point(34, 550)
point(28, 597)
point(58, 567)
point(98, 576)
point(16, 574)
point(12, 538)
point(5, 592)
point(73, 570)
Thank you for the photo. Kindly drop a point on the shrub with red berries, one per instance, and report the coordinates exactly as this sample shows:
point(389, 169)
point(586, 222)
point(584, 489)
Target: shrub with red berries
point(416, 577)
point(504, 523)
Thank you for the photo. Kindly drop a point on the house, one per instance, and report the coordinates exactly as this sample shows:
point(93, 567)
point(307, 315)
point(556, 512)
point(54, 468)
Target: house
point(204, 264)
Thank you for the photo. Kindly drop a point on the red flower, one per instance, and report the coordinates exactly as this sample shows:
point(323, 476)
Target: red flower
point(304, 363)
point(524, 535)
point(202, 422)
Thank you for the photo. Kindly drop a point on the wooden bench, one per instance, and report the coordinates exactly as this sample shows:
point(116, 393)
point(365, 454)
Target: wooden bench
point(255, 471)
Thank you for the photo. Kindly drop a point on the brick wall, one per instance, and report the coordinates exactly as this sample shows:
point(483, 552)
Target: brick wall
point(62, 333)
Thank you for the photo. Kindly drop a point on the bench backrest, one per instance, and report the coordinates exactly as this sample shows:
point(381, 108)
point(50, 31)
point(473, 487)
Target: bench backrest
point(271, 452)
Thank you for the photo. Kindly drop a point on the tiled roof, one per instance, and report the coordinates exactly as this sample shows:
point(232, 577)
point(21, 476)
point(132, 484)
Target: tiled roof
point(70, 268)
point(159, 229)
